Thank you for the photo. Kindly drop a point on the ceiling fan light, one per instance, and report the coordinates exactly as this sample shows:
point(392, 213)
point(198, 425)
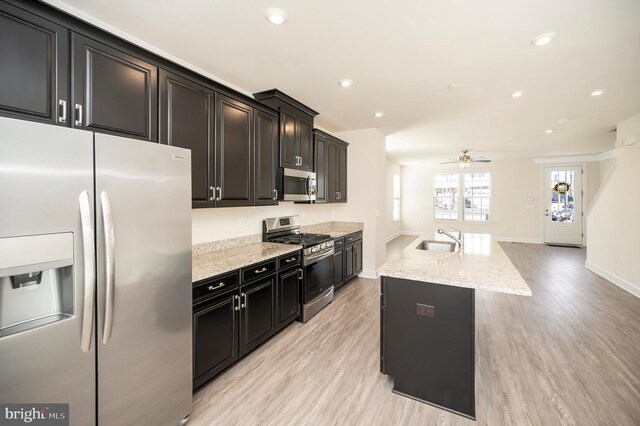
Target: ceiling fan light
point(464, 165)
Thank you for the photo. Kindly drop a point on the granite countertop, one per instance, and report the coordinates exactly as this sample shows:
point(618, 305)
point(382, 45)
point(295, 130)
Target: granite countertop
point(483, 266)
point(335, 229)
point(218, 262)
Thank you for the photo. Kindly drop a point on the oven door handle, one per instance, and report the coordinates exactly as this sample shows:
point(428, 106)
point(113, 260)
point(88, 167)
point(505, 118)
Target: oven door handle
point(318, 257)
point(307, 186)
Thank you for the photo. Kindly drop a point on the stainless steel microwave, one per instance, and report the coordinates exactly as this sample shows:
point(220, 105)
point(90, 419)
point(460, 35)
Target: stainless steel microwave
point(297, 185)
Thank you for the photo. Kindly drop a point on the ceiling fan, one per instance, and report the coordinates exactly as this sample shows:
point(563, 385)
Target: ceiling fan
point(465, 160)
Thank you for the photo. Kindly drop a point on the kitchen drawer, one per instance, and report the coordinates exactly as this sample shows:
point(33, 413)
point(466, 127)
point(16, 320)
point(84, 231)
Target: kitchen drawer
point(258, 271)
point(338, 243)
point(291, 259)
point(353, 237)
point(214, 286)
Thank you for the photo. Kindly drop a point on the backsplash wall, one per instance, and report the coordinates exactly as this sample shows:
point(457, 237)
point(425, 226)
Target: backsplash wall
point(233, 222)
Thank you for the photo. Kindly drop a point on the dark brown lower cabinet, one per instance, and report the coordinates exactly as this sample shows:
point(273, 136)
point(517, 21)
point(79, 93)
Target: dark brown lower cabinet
point(257, 313)
point(338, 269)
point(347, 259)
point(215, 337)
point(288, 296)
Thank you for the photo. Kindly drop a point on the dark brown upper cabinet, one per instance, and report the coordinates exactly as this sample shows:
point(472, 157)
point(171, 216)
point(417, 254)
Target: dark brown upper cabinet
point(234, 153)
point(296, 129)
point(34, 70)
point(320, 165)
point(330, 166)
point(113, 92)
point(265, 136)
point(187, 120)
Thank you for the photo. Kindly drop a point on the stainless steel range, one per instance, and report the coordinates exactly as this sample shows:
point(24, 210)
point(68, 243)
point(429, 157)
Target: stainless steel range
point(317, 261)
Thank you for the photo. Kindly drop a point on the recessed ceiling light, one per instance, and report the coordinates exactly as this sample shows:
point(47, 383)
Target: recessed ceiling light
point(548, 131)
point(454, 86)
point(597, 92)
point(543, 39)
point(345, 82)
point(378, 114)
point(276, 16)
point(517, 94)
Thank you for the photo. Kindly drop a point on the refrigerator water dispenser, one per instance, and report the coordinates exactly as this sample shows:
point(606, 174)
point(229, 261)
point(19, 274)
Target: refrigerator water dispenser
point(36, 281)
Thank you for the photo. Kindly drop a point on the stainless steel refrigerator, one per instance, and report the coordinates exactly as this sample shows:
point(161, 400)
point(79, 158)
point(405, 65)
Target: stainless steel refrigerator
point(95, 275)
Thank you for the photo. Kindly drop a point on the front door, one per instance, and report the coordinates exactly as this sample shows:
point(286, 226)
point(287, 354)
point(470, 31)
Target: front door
point(563, 205)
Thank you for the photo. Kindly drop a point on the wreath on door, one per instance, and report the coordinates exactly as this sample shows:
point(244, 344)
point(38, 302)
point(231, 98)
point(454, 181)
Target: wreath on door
point(561, 187)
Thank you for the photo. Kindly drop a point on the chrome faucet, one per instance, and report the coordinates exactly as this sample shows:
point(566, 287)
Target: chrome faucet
point(459, 240)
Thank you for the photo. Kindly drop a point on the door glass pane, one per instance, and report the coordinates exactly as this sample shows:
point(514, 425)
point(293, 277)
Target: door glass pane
point(562, 200)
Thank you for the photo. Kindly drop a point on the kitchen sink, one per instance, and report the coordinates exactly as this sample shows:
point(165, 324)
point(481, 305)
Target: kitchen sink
point(433, 245)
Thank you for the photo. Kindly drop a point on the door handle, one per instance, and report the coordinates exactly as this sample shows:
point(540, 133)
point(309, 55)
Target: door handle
point(219, 192)
point(110, 266)
point(89, 271)
point(300, 275)
point(62, 114)
point(213, 193)
point(78, 115)
point(244, 300)
point(237, 304)
point(275, 194)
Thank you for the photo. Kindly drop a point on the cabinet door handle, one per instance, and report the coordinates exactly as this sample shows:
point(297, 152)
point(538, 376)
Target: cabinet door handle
point(261, 270)
point(275, 194)
point(219, 193)
point(63, 111)
point(293, 259)
point(300, 274)
point(237, 304)
point(213, 196)
point(215, 287)
point(78, 115)
point(244, 300)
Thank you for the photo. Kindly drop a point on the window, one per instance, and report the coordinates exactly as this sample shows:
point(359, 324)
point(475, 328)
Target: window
point(476, 197)
point(396, 197)
point(446, 197)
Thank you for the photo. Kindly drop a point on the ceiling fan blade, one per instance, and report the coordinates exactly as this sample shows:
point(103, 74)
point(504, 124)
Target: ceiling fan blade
point(475, 160)
point(449, 162)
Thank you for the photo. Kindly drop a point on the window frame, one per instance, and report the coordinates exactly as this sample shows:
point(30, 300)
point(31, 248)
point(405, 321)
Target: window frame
point(461, 197)
point(396, 197)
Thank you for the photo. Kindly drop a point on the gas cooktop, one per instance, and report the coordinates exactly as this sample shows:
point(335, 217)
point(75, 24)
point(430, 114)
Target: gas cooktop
point(305, 240)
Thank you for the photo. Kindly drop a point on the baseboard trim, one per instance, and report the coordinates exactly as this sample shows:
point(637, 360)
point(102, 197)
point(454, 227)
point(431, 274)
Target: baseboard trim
point(519, 240)
point(620, 282)
point(372, 275)
point(391, 237)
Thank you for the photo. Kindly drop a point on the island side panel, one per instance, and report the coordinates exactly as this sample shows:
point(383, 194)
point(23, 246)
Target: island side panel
point(428, 342)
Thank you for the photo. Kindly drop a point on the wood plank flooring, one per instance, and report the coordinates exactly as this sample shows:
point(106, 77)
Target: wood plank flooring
point(570, 354)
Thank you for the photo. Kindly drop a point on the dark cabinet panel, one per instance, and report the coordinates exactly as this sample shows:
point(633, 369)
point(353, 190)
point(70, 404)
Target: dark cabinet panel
point(338, 269)
point(332, 172)
point(266, 157)
point(320, 166)
point(357, 257)
point(215, 337)
point(305, 142)
point(348, 262)
point(234, 149)
point(34, 67)
point(342, 174)
point(288, 139)
point(113, 92)
point(186, 120)
point(257, 317)
point(288, 296)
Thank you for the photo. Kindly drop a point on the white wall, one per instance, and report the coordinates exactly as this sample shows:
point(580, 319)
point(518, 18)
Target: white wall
point(612, 222)
point(365, 192)
point(391, 228)
point(222, 223)
point(515, 199)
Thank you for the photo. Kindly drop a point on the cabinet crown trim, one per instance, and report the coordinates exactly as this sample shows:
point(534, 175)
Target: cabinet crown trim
point(275, 93)
point(329, 136)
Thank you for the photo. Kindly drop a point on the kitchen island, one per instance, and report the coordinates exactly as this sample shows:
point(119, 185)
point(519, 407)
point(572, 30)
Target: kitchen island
point(427, 311)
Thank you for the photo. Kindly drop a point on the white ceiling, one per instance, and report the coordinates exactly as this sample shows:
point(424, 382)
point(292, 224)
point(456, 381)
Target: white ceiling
point(403, 54)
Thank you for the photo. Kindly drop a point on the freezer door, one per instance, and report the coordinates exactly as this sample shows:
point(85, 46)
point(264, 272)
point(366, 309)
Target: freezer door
point(143, 211)
point(47, 338)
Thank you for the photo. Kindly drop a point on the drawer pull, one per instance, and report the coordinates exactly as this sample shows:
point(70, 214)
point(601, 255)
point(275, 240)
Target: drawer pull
point(261, 270)
point(293, 259)
point(215, 287)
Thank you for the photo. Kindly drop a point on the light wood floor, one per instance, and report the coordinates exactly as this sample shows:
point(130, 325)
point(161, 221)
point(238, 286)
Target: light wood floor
point(570, 354)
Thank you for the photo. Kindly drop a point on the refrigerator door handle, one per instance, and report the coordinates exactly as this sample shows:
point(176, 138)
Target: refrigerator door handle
point(89, 271)
point(110, 266)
